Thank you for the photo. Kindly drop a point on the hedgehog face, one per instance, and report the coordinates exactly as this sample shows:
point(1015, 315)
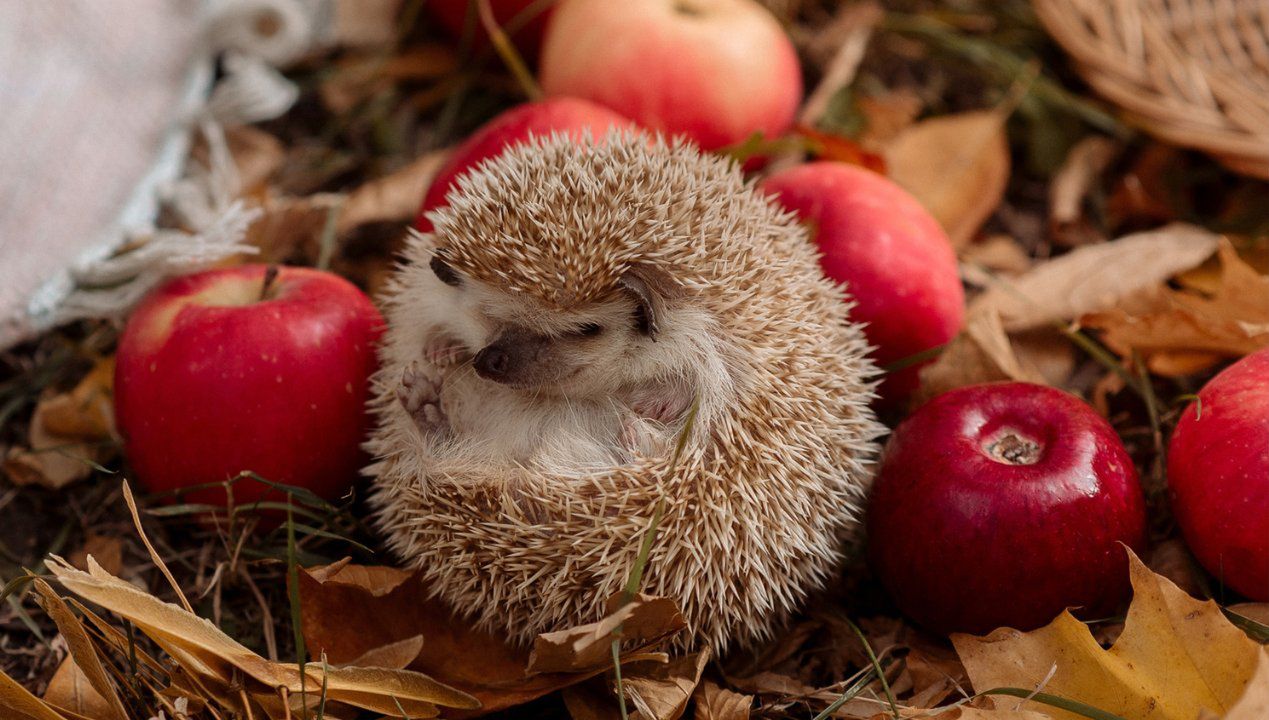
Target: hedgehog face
point(589, 350)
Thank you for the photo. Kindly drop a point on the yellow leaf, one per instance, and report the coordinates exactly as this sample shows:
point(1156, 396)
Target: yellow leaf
point(1177, 657)
point(19, 704)
point(71, 690)
point(82, 650)
point(956, 165)
point(203, 650)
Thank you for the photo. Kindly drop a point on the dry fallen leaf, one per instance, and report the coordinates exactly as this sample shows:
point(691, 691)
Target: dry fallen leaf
point(661, 691)
point(395, 605)
point(1188, 332)
point(106, 550)
point(643, 620)
point(395, 197)
point(718, 703)
point(201, 649)
point(81, 649)
point(1094, 278)
point(888, 114)
point(53, 461)
point(956, 165)
point(997, 254)
point(1072, 184)
point(69, 689)
point(85, 413)
point(981, 353)
point(1176, 657)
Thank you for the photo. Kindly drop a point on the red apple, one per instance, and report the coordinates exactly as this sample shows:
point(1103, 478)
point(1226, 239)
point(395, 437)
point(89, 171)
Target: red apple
point(555, 115)
point(717, 71)
point(1001, 505)
point(527, 35)
point(212, 379)
point(1218, 474)
point(893, 256)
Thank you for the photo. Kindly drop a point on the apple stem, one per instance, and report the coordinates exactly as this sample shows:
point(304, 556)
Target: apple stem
point(1014, 450)
point(270, 274)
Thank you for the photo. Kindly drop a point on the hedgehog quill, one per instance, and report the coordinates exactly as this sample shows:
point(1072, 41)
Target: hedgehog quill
point(545, 343)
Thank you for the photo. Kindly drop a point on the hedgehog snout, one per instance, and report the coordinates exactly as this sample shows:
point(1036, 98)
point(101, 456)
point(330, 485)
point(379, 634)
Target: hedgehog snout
point(516, 357)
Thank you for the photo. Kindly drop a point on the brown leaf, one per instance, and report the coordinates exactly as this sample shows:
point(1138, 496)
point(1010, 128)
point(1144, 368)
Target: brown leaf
point(998, 254)
point(204, 651)
point(1189, 331)
point(20, 704)
point(394, 605)
point(661, 691)
point(1172, 560)
point(69, 689)
point(888, 114)
point(1253, 611)
point(980, 353)
point(936, 673)
point(106, 550)
point(256, 154)
point(291, 228)
point(81, 649)
point(714, 702)
point(1072, 184)
point(87, 412)
point(956, 165)
point(394, 656)
point(365, 22)
point(395, 197)
point(1095, 278)
point(53, 461)
point(585, 647)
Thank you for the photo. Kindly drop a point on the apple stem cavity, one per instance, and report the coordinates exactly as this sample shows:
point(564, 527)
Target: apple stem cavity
point(270, 274)
point(1010, 448)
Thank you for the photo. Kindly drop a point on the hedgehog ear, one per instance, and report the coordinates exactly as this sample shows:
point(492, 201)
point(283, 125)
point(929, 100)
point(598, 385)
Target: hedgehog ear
point(649, 286)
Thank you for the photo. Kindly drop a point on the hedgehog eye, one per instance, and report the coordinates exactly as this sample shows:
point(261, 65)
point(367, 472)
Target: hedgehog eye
point(590, 329)
point(444, 272)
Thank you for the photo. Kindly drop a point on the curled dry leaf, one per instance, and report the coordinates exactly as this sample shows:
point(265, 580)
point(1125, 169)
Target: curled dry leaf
point(395, 197)
point(1176, 657)
point(395, 605)
point(69, 434)
point(1073, 184)
point(660, 691)
point(81, 649)
point(714, 702)
point(201, 649)
point(1094, 278)
point(956, 165)
point(981, 353)
point(1188, 332)
point(70, 689)
point(644, 621)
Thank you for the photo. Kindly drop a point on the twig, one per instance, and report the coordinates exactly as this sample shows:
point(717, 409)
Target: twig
point(507, 51)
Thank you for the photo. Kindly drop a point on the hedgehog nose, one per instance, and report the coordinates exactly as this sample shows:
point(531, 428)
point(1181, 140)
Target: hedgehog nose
point(492, 362)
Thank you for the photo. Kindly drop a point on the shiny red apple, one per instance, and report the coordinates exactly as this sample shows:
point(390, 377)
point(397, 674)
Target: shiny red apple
point(1001, 505)
point(524, 21)
point(569, 116)
point(233, 370)
point(717, 71)
point(893, 256)
point(1218, 475)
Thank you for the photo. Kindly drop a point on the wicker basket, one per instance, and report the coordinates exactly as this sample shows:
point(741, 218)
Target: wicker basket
point(1193, 73)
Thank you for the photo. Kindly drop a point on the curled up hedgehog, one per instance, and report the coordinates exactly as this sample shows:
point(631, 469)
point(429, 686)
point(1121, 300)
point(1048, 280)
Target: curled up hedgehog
point(547, 344)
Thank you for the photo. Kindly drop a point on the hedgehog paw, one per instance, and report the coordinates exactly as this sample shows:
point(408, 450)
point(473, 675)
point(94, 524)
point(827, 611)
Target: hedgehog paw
point(420, 394)
point(663, 405)
point(443, 350)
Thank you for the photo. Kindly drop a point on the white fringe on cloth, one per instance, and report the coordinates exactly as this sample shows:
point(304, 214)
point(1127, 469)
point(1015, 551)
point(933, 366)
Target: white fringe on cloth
point(106, 281)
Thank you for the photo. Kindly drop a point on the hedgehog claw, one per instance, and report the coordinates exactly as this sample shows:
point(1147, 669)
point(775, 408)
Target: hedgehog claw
point(420, 395)
point(443, 350)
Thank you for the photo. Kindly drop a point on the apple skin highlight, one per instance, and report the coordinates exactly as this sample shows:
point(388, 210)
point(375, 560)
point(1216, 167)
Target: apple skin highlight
point(210, 382)
point(1218, 476)
point(1000, 505)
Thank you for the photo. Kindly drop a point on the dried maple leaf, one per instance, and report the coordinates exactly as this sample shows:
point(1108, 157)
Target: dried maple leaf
point(1177, 656)
point(956, 165)
point(1190, 332)
point(1096, 278)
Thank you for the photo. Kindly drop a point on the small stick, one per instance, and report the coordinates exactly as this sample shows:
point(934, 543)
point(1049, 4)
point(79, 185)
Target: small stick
point(270, 274)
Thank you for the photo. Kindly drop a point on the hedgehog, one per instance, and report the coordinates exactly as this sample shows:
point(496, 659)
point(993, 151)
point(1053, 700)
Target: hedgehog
point(592, 330)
